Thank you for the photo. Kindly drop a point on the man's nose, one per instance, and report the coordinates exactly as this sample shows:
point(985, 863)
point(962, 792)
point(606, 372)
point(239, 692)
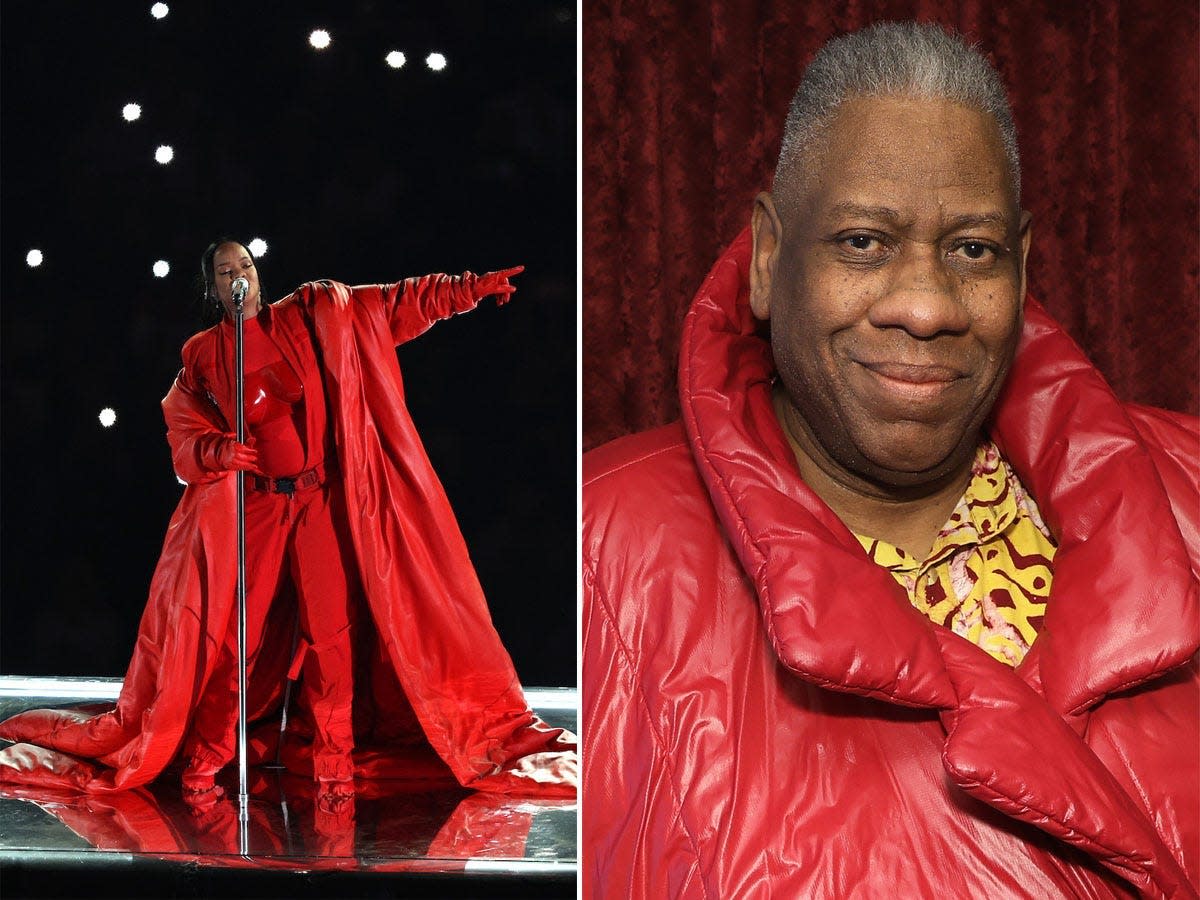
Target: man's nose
point(922, 296)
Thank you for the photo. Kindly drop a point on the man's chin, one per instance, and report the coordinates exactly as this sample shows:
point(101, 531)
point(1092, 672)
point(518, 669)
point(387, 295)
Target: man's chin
point(915, 464)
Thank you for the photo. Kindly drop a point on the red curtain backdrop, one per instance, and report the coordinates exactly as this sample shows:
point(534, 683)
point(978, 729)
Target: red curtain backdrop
point(683, 106)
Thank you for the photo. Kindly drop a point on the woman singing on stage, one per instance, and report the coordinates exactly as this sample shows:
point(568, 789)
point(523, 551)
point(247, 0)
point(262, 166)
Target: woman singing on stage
point(358, 583)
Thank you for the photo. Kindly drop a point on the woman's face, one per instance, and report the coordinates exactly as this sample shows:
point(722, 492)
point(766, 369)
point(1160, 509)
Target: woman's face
point(230, 262)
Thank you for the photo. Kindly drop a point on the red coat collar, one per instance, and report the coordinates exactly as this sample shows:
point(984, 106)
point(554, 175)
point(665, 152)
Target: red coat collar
point(1124, 604)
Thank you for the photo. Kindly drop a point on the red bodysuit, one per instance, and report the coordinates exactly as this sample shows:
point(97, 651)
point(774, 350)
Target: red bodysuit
point(274, 402)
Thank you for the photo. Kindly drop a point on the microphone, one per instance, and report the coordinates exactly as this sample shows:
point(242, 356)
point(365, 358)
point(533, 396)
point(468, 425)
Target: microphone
point(240, 286)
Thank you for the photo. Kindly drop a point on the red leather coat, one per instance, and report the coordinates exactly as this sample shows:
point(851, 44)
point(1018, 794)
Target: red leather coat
point(435, 667)
point(766, 715)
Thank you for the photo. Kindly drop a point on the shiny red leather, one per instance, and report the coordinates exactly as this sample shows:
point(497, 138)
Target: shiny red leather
point(765, 714)
point(437, 675)
point(270, 393)
point(228, 456)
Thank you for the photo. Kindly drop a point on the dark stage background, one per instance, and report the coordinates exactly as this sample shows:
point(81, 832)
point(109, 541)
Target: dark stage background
point(683, 106)
point(349, 170)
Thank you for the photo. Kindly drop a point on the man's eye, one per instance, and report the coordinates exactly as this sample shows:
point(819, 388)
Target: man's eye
point(974, 250)
point(861, 242)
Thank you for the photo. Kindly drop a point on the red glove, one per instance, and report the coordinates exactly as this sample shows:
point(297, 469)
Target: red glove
point(225, 454)
point(497, 283)
point(233, 456)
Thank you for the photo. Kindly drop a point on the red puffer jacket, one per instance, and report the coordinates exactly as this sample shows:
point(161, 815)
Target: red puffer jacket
point(767, 716)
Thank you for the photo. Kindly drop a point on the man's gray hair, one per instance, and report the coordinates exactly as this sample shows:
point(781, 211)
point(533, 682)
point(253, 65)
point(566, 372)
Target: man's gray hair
point(894, 59)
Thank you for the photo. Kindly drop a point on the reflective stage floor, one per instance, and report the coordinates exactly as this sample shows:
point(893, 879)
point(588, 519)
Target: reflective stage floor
point(394, 839)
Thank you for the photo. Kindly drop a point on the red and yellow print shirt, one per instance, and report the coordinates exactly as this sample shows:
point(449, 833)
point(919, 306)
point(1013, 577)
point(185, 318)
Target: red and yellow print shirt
point(988, 574)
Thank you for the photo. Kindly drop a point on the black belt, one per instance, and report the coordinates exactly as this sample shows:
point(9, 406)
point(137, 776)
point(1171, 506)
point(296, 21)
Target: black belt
point(306, 479)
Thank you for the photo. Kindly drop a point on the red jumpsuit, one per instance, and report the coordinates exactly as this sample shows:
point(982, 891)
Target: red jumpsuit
point(295, 529)
point(436, 696)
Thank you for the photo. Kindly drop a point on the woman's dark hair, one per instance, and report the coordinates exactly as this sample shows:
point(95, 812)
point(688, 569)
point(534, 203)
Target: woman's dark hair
point(210, 307)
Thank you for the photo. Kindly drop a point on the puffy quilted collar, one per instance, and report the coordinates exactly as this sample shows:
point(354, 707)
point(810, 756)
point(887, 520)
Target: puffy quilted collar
point(1124, 603)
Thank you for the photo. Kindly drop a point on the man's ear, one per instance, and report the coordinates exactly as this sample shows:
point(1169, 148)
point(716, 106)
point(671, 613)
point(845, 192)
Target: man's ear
point(767, 233)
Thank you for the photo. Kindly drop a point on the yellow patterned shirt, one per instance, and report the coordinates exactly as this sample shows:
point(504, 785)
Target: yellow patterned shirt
point(988, 574)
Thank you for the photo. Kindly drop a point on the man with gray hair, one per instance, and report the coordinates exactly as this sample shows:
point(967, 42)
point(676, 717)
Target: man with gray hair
point(905, 606)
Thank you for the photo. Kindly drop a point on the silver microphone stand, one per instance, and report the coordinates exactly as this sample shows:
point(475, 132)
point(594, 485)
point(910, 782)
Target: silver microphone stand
point(239, 298)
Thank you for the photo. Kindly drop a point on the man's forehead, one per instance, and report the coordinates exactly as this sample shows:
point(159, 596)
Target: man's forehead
point(980, 213)
point(925, 123)
point(896, 153)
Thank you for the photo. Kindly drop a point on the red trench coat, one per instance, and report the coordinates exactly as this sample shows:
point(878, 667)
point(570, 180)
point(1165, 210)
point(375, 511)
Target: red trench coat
point(437, 668)
point(766, 715)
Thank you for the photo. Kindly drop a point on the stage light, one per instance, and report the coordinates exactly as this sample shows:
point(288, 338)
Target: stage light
point(319, 39)
point(131, 111)
point(395, 59)
point(164, 154)
point(33, 258)
point(161, 268)
point(435, 61)
point(108, 417)
point(159, 10)
point(257, 247)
